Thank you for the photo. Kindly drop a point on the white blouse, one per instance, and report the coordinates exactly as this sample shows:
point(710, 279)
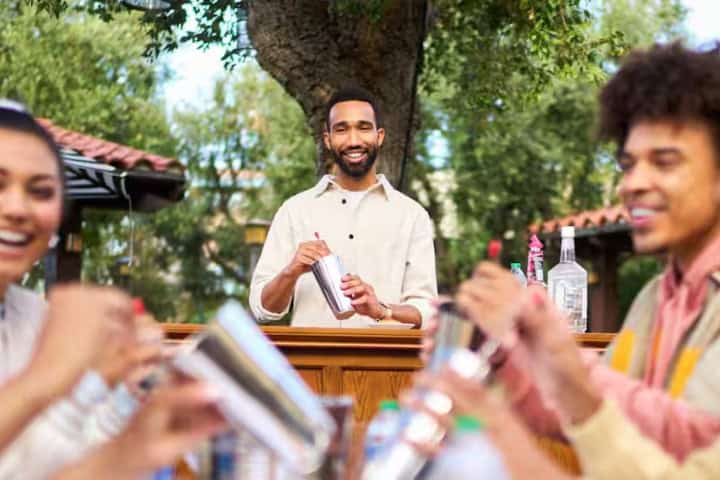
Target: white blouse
point(71, 426)
point(19, 327)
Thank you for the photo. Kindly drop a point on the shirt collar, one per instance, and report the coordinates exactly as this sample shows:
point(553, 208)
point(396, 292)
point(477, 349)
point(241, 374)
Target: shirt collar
point(328, 180)
point(704, 265)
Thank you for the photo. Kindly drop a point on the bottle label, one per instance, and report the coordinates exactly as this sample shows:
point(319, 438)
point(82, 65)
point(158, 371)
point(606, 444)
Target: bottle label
point(539, 270)
point(572, 301)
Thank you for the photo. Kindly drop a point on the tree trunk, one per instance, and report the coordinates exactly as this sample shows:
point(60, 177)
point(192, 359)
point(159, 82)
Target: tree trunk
point(314, 47)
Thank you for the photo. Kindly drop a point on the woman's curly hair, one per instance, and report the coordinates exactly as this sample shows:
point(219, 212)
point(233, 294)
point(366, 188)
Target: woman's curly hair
point(664, 82)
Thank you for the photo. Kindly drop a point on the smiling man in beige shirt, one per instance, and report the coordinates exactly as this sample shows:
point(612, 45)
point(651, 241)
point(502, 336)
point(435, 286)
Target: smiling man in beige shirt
point(383, 238)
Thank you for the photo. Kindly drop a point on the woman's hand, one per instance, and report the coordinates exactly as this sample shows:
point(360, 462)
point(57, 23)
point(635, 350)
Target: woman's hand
point(174, 420)
point(82, 323)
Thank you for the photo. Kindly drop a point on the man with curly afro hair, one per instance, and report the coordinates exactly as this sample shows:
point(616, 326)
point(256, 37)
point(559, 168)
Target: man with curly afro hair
point(662, 110)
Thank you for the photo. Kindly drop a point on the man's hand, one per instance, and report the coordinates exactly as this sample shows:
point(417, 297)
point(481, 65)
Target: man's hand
point(492, 299)
point(427, 347)
point(277, 294)
point(306, 254)
point(469, 397)
point(362, 296)
point(521, 456)
point(558, 366)
point(82, 322)
point(431, 329)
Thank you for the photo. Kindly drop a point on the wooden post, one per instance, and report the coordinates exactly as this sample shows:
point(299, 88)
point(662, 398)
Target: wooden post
point(604, 293)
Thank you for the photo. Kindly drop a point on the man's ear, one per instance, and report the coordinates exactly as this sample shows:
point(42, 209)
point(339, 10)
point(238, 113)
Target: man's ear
point(326, 139)
point(381, 136)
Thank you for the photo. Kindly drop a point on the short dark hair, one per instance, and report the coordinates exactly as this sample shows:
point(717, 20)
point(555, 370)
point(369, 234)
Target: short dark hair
point(349, 94)
point(14, 116)
point(664, 82)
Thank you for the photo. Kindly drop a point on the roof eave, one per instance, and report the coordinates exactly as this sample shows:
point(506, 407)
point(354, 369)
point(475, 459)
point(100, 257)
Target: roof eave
point(580, 232)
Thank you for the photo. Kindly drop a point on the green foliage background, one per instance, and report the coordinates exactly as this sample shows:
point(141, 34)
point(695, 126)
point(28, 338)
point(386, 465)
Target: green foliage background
point(507, 95)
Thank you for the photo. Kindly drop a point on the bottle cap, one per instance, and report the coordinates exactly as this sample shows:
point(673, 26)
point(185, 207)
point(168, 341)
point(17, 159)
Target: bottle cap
point(138, 306)
point(467, 423)
point(494, 248)
point(515, 265)
point(567, 232)
point(389, 405)
point(535, 242)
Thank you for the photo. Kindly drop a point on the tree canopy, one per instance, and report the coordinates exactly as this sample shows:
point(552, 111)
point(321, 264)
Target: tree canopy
point(73, 72)
point(531, 153)
point(491, 107)
point(312, 47)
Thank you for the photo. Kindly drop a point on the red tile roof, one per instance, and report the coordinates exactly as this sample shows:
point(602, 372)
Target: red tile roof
point(589, 219)
point(114, 154)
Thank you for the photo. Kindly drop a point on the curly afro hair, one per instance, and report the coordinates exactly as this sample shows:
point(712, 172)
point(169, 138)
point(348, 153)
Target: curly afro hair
point(665, 82)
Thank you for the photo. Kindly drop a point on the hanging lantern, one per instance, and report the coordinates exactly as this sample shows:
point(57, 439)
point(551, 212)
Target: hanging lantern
point(147, 5)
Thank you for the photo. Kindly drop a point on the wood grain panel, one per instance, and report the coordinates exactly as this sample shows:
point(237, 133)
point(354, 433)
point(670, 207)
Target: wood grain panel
point(332, 380)
point(369, 387)
point(312, 377)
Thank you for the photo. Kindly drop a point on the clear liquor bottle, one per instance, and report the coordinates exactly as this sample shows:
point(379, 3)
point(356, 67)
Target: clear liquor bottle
point(568, 284)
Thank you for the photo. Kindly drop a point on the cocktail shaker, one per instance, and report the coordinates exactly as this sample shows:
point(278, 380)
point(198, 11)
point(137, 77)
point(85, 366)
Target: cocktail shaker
point(260, 392)
point(328, 272)
point(454, 331)
point(462, 347)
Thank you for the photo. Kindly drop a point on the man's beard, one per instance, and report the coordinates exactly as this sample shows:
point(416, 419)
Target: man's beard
point(356, 170)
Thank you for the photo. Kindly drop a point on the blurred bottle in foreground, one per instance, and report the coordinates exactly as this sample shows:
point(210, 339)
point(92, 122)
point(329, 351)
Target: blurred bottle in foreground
point(337, 460)
point(400, 460)
point(468, 454)
point(224, 449)
point(568, 284)
point(536, 262)
point(382, 428)
point(516, 270)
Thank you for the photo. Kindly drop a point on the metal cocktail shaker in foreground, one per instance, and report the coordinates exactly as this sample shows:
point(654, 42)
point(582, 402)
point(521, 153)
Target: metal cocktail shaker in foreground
point(328, 272)
point(454, 332)
point(460, 346)
point(261, 393)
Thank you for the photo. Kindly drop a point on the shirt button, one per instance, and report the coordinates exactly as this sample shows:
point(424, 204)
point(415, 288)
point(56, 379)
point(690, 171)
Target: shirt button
point(351, 236)
point(344, 201)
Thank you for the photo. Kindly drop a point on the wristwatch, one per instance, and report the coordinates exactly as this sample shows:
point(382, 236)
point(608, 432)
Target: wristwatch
point(387, 314)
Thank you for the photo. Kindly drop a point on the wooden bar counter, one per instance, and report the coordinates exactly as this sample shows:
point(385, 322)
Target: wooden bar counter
point(368, 364)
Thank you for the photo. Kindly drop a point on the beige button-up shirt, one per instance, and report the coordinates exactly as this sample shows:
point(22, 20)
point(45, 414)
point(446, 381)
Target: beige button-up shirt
point(386, 238)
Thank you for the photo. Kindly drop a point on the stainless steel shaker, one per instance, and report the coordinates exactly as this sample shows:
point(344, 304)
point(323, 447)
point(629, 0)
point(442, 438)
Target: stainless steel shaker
point(328, 272)
point(454, 331)
point(462, 347)
point(260, 392)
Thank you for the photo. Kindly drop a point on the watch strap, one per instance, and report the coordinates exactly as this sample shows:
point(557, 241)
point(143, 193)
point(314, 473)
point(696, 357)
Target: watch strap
point(387, 313)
